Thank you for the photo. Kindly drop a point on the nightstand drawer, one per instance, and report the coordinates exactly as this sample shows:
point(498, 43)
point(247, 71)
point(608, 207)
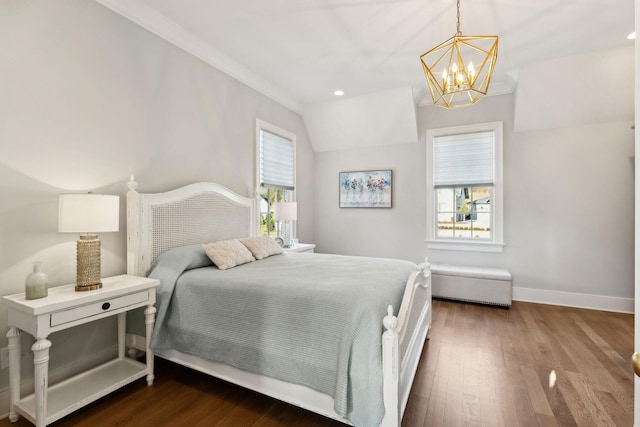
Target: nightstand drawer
point(94, 309)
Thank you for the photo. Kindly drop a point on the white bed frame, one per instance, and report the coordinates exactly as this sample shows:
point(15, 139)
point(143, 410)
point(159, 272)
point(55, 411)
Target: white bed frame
point(205, 212)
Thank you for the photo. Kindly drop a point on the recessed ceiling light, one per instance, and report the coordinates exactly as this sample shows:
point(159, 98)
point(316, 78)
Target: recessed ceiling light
point(632, 36)
point(338, 92)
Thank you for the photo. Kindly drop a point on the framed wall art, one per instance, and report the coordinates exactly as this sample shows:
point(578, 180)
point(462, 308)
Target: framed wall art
point(365, 189)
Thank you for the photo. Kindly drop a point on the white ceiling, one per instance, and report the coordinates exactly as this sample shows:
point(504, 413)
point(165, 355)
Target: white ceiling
point(300, 51)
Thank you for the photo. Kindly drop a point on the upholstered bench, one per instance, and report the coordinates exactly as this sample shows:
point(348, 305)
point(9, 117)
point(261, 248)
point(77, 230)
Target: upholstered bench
point(473, 284)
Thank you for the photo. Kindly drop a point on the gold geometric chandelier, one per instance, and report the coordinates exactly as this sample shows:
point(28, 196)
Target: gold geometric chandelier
point(451, 82)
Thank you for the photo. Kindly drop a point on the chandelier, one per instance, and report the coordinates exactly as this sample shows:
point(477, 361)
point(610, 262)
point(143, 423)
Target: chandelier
point(451, 82)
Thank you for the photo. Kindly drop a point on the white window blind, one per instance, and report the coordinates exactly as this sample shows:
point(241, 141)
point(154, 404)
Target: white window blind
point(276, 161)
point(463, 159)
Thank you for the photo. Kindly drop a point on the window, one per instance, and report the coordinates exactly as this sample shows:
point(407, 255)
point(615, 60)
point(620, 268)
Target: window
point(276, 172)
point(464, 188)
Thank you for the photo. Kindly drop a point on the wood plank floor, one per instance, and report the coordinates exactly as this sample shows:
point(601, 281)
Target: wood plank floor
point(531, 365)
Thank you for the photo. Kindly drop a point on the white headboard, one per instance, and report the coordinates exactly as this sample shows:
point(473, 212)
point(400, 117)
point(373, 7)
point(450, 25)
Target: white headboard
point(196, 213)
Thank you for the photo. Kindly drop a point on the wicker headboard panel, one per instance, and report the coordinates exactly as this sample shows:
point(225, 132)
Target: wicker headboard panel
point(196, 213)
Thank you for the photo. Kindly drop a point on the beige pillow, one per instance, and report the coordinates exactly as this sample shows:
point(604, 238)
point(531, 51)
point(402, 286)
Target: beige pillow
point(262, 246)
point(227, 253)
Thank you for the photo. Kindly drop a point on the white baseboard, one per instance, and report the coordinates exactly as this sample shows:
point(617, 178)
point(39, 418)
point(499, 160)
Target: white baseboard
point(569, 299)
point(58, 374)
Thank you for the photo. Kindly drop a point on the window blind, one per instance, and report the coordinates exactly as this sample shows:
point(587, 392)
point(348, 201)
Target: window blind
point(463, 159)
point(276, 161)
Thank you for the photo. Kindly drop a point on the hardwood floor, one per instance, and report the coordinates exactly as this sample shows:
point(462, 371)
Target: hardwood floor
point(531, 365)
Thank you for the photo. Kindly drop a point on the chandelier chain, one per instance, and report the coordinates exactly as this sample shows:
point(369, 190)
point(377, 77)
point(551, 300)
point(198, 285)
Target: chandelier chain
point(458, 32)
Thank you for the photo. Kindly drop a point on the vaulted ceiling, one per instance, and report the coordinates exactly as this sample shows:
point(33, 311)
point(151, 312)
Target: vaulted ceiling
point(299, 52)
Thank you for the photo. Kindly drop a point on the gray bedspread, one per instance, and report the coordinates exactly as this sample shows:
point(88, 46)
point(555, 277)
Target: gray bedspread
point(310, 319)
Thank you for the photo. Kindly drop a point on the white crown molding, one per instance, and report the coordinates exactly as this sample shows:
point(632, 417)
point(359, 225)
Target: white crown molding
point(170, 31)
point(570, 299)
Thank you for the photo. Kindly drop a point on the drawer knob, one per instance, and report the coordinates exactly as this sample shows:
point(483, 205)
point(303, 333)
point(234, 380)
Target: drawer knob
point(106, 306)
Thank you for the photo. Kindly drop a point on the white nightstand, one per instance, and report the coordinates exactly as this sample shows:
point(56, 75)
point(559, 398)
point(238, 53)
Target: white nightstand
point(301, 247)
point(64, 308)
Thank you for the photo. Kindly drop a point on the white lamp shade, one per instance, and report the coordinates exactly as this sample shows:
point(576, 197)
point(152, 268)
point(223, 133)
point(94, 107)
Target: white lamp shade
point(88, 213)
point(286, 211)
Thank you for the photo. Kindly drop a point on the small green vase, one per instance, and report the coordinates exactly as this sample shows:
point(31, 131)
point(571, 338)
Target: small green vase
point(36, 283)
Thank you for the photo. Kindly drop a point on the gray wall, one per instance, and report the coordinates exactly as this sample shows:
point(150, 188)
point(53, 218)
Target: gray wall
point(568, 193)
point(88, 98)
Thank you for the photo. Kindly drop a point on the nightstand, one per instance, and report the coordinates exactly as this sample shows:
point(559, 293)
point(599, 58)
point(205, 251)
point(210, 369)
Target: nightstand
point(301, 247)
point(64, 308)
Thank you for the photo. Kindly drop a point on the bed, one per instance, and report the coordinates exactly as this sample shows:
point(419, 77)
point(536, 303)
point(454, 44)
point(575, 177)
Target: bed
point(161, 225)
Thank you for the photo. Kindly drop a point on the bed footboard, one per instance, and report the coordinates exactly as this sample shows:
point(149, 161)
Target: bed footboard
point(402, 343)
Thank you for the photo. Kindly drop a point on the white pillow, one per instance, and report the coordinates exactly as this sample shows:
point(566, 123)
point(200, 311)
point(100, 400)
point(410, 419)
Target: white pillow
point(227, 253)
point(262, 246)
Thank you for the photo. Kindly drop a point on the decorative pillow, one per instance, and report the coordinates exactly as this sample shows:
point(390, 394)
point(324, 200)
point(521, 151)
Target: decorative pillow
point(262, 246)
point(227, 253)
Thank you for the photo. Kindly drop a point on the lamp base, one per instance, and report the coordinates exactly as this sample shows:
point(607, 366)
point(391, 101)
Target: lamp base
point(80, 288)
point(88, 263)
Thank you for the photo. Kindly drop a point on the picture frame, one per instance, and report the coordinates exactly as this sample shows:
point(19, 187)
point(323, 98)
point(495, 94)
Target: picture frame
point(365, 189)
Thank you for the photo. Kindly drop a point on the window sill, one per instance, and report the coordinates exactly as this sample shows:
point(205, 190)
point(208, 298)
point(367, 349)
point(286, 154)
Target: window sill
point(465, 246)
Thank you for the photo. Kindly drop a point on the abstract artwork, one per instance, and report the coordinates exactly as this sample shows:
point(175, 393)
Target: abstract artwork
point(365, 189)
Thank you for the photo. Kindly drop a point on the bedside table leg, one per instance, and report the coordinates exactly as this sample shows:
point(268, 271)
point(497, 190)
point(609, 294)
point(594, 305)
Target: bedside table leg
point(122, 329)
point(15, 339)
point(41, 373)
point(149, 320)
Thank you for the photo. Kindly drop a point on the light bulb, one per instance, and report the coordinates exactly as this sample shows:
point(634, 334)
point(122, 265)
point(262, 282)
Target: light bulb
point(471, 73)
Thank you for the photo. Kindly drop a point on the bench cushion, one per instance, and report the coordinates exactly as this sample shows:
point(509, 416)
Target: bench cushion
point(465, 271)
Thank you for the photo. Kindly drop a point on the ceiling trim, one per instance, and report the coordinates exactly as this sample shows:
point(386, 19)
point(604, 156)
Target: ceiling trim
point(170, 31)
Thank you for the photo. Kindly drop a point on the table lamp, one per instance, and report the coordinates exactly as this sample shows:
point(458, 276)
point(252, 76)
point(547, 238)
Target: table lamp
point(89, 214)
point(286, 212)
